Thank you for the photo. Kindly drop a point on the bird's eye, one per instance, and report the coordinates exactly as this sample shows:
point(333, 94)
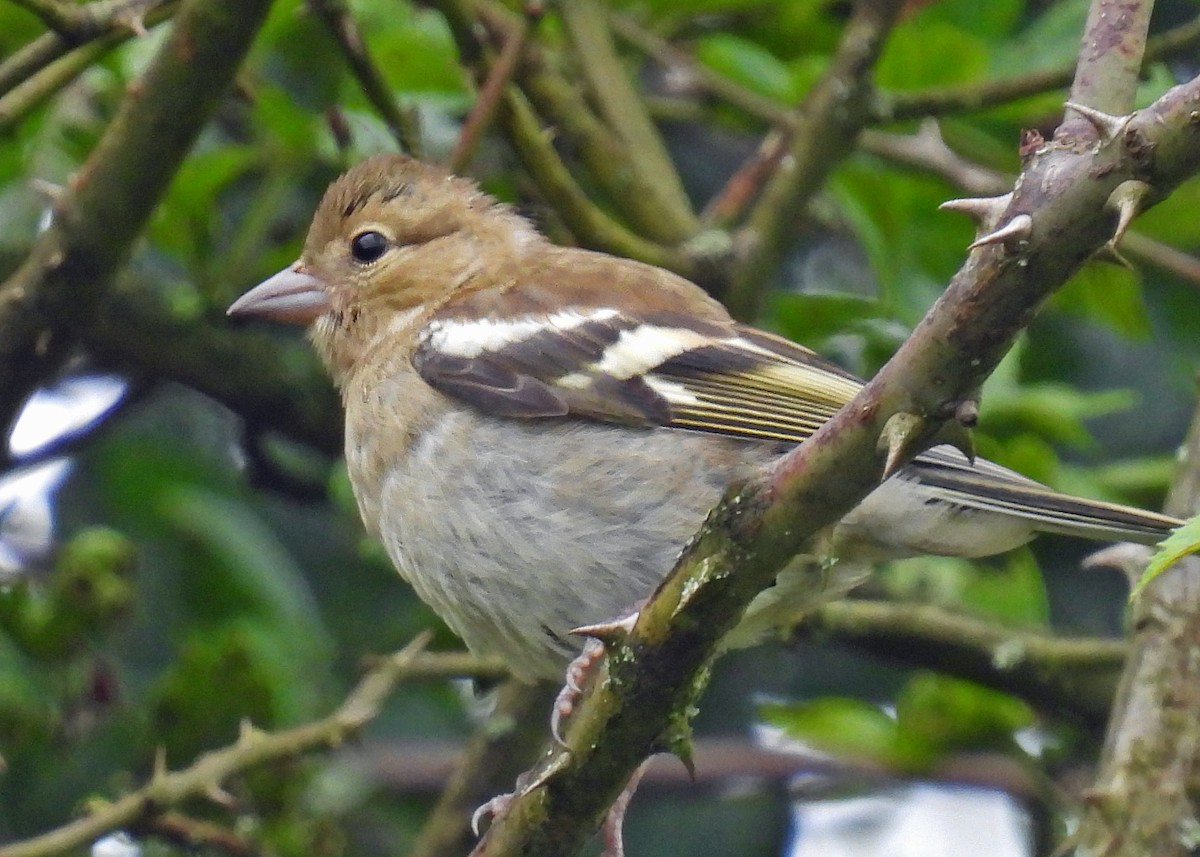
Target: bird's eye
point(368, 246)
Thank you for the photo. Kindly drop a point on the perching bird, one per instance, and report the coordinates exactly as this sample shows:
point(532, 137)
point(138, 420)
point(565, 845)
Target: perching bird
point(535, 431)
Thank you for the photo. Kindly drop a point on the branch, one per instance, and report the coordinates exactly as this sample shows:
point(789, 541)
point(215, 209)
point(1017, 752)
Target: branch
point(78, 23)
point(834, 111)
point(56, 290)
point(949, 100)
point(40, 86)
point(654, 674)
point(254, 747)
point(1106, 77)
point(1153, 742)
point(499, 750)
point(590, 224)
point(402, 123)
point(116, 28)
point(498, 77)
point(1072, 677)
point(625, 113)
point(926, 150)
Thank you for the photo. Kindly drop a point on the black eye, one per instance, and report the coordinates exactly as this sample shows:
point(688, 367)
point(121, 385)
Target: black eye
point(368, 246)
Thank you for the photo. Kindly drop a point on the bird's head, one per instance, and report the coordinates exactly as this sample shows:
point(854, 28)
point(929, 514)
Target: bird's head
point(391, 239)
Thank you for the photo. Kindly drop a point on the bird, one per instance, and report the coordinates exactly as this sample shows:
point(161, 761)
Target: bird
point(535, 431)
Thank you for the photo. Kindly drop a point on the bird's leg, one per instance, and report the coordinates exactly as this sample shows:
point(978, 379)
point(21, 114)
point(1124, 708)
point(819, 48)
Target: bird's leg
point(614, 820)
point(579, 671)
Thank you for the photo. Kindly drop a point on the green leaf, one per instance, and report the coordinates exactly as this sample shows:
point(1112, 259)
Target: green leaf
point(948, 714)
point(1008, 589)
point(839, 725)
point(1183, 542)
point(811, 317)
point(1109, 294)
point(1174, 219)
point(922, 53)
point(749, 64)
point(1051, 40)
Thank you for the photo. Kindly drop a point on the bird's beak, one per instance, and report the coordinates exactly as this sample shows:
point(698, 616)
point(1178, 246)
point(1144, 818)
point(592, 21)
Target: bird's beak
point(293, 295)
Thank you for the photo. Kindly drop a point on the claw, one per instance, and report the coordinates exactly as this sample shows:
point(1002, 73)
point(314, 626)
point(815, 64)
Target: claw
point(493, 807)
point(577, 674)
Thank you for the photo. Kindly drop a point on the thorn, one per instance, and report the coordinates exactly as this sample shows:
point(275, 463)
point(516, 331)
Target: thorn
point(1019, 229)
point(1106, 125)
point(160, 763)
point(220, 797)
point(1126, 200)
point(1109, 253)
point(984, 210)
point(899, 437)
point(51, 191)
point(609, 632)
point(1128, 558)
point(246, 731)
point(135, 23)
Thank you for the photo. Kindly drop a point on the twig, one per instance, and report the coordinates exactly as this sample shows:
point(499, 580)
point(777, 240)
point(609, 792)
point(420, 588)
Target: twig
point(948, 100)
point(31, 93)
point(253, 747)
point(80, 22)
point(926, 150)
point(56, 290)
point(893, 106)
point(553, 93)
point(675, 59)
point(1162, 256)
point(401, 122)
point(834, 112)
point(193, 834)
point(743, 187)
point(1075, 677)
point(583, 217)
point(624, 111)
point(490, 95)
point(501, 748)
point(51, 48)
point(589, 223)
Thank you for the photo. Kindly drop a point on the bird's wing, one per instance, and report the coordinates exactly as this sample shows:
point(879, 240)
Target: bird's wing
point(524, 356)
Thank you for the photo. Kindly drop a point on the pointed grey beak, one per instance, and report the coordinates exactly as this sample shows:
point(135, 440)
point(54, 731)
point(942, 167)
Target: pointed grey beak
point(293, 295)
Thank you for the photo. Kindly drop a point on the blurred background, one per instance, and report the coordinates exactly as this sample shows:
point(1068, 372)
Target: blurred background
point(179, 551)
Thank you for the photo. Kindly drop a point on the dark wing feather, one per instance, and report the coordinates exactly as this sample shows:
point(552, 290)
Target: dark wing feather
point(490, 386)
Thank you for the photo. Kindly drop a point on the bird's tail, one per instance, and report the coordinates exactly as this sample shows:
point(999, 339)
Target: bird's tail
point(989, 487)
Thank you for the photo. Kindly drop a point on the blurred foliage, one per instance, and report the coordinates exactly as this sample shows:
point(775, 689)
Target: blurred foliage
point(209, 575)
point(934, 716)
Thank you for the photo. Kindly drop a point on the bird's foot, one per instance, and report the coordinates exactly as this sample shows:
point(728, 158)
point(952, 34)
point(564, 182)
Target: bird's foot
point(580, 670)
